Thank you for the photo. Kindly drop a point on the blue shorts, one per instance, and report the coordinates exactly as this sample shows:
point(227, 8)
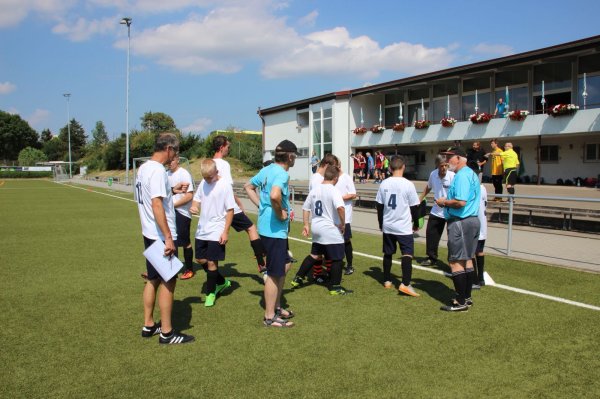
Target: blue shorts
point(209, 250)
point(241, 222)
point(331, 251)
point(182, 223)
point(406, 243)
point(277, 255)
point(347, 232)
point(150, 270)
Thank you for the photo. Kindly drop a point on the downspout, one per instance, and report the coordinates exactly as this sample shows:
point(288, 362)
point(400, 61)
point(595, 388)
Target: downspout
point(259, 112)
point(350, 164)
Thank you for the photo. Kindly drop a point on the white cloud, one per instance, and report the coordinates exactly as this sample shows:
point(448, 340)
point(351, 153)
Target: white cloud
point(199, 125)
point(309, 19)
point(82, 29)
point(7, 87)
point(38, 117)
point(13, 12)
point(493, 49)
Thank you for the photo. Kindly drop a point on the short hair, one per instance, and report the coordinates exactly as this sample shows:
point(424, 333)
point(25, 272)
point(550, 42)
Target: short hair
point(494, 141)
point(166, 140)
point(440, 159)
point(397, 162)
point(509, 145)
point(218, 142)
point(328, 159)
point(208, 167)
point(282, 157)
point(331, 172)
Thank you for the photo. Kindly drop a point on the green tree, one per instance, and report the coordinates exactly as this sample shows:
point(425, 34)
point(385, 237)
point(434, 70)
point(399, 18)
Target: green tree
point(114, 155)
point(54, 149)
point(15, 134)
point(46, 136)
point(78, 139)
point(30, 156)
point(158, 122)
point(99, 135)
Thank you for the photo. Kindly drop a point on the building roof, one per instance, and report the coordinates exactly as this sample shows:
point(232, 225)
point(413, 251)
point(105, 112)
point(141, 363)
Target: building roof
point(590, 44)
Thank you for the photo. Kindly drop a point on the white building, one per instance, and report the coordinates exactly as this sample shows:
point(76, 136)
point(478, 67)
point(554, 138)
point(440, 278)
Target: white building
point(562, 147)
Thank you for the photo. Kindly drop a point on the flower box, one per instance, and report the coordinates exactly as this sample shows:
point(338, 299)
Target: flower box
point(377, 129)
point(399, 127)
point(422, 124)
point(360, 130)
point(448, 122)
point(563, 109)
point(482, 117)
point(517, 115)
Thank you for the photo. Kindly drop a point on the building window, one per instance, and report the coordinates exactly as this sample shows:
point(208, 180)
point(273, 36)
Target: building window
point(549, 153)
point(592, 153)
point(322, 131)
point(302, 117)
point(303, 152)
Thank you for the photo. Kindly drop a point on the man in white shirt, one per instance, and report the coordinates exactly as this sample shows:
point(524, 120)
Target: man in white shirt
point(397, 212)
point(241, 222)
point(215, 198)
point(183, 217)
point(325, 207)
point(346, 187)
point(153, 195)
point(439, 183)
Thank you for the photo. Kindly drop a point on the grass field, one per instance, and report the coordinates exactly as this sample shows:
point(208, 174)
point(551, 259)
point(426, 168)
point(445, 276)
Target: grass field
point(72, 314)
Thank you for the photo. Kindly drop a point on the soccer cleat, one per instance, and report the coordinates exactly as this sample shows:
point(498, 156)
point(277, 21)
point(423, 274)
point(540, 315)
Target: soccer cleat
point(348, 270)
point(469, 302)
point(427, 262)
point(187, 275)
point(210, 300)
point(175, 338)
point(455, 307)
point(476, 287)
point(297, 282)
point(388, 285)
point(340, 291)
point(221, 287)
point(148, 332)
point(408, 290)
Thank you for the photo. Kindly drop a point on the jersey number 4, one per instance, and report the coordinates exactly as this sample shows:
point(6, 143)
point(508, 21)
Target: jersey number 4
point(392, 201)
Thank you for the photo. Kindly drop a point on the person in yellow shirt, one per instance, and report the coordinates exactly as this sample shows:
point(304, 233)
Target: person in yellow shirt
point(510, 163)
point(497, 169)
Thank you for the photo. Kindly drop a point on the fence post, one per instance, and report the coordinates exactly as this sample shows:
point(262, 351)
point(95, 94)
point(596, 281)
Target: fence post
point(510, 222)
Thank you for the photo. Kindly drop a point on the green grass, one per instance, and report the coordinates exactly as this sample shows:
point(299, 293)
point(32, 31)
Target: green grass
point(72, 312)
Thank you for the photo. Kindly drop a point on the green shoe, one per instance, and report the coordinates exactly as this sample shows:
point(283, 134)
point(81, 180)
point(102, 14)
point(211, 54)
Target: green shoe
point(297, 282)
point(340, 291)
point(221, 287)
point(210, 300)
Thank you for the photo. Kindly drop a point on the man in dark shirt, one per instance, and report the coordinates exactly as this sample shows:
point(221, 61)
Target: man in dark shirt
point(476, 159)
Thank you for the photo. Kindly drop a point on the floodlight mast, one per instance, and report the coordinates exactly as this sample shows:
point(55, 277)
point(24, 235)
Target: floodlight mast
point(127, 21)
point(68, 96)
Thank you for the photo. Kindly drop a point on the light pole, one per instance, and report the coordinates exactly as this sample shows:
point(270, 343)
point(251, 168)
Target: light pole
point(127, 21)
point(68, 96)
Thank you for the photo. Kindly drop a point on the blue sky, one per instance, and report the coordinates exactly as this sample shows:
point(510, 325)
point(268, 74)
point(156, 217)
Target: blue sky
point(210, 64)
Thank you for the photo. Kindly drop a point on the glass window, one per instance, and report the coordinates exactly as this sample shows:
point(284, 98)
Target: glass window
point(391, 115)
point(327, 113)
point(302, 118)
point(511, 78)
point(440, 106)
point(322, 131)
point(592, 152)
point(589, 63)
point(592, 89)
point(415, 112)
point(468, 104)
point(394, 97)
point(418, 93)
point(327, 124)
point(478, 83)
point(443, 89)
point(556, 76)
point(518, 98)
point(549, 153)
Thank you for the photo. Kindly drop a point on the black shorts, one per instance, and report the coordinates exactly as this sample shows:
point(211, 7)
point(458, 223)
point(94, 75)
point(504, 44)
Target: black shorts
point(277, 255)
point(241, 222)
point(330, 251)
point(480, 246)
point(357, 170)
point(406, 243)
point(209, 250)
point(347, 232)
point(150, 270)
point(510, 176)
point(182, 224)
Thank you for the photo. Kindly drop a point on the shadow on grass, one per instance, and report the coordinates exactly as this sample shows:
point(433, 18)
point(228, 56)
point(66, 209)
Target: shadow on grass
point(182, 312)
point(435, 289)
point(376, 273)
point(229, 270)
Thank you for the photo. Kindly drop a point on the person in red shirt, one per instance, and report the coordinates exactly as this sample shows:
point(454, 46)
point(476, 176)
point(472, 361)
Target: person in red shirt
point(362, 163)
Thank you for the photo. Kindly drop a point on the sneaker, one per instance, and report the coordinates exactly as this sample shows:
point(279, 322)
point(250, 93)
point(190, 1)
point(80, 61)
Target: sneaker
point(476, 287)
point(455, 307)
point(188, 274)
point(297, 282)
point(408, 290)
point(175, 338)
point(388, 285)
point(468, 302)
point(210, 300)
point(340, 291)
point(427, 262)
point(148, 332)
point(348, 270)
point(221, 287)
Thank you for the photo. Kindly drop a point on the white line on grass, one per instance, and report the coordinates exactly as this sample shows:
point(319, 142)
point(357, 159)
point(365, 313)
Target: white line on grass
point(501, 286)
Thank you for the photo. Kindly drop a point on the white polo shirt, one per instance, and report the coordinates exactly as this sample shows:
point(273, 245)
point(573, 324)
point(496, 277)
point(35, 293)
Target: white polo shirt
point(439, 187)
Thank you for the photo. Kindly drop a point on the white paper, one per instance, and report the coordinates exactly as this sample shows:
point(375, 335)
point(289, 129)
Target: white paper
point(166, 266)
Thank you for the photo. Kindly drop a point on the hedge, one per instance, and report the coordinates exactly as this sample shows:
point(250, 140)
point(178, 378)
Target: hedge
point(20, 175)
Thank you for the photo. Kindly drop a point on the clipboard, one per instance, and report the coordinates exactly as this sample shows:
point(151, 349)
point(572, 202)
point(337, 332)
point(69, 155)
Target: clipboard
point(166, 266)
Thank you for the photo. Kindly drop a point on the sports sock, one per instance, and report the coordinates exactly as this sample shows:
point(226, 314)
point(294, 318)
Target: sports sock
point(188, 255)
point(406, 269)
point(317, 267)
point(328, 265)
point(336, 273)
point(460, 283)
point(387, 267)
point(305, 267)
point(348, 251)
point(480, 267)
point(211, 281)
point(259, 251)
point(220, 278)
point(470, 281)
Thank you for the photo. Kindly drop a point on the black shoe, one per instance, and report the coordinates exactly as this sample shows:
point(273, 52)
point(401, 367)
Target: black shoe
point(476, 287)
point(175, 338)
point(482, 283)
point(455, 307)
point(469, 302)
point(348, 270)
point(427, 262)
point(148, 332)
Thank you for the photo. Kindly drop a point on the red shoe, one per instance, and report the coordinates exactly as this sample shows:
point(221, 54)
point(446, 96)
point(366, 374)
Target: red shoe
point(187, 275)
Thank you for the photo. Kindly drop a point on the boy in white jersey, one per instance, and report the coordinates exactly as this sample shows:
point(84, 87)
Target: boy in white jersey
point(153, 195)
point(215, 197)
point(346, 187)
point(479, 260)
point(183, 217)
point(241, 222)
point(397, 212)
point(325, 206)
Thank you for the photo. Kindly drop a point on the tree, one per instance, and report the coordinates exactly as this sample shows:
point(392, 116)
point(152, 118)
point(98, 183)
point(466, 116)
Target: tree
point(15, 134)
point(158, 122)
point(46, 136)
point(54, 149)
point(78, 139)
point(30, 156)
point(99, 135)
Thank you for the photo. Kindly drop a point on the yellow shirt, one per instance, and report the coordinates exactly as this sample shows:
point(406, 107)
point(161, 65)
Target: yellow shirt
point(496, 161)
point(510, 159)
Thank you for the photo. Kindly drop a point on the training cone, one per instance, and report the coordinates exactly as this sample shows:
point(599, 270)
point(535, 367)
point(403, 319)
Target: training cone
point(488, 279)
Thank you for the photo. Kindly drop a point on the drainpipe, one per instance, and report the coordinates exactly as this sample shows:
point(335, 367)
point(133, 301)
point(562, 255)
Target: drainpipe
point(259, 112)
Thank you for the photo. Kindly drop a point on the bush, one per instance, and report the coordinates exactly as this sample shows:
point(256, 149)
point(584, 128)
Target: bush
point(23, 175)
point(29, 156)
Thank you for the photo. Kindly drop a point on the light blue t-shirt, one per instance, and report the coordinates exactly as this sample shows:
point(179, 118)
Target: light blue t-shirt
point(464, 187)
point(268, 224)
